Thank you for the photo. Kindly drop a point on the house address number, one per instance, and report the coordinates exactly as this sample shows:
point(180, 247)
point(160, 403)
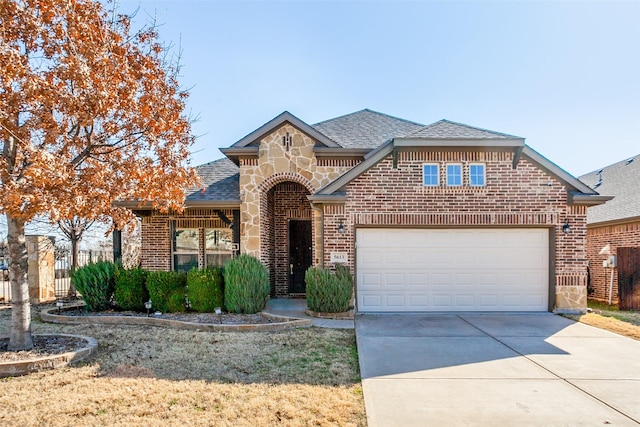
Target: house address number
point(339, 257)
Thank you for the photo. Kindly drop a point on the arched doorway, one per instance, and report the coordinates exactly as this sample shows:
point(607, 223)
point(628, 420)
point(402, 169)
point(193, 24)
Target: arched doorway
point(287, 238)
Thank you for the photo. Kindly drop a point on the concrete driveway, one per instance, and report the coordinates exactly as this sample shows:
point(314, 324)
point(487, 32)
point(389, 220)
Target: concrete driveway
point(491, 369)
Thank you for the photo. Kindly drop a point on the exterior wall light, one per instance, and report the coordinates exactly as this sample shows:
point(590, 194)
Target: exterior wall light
point(566, 228)
point(341, 229)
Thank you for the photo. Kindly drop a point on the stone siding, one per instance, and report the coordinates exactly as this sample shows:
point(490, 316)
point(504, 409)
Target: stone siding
point(278, 164)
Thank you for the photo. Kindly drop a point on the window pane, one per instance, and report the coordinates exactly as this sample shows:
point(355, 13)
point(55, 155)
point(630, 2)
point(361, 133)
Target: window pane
point(186, 240)
point(454, 175)
point(430, 175)
point(219, 246)
point(218, 239)
point(217, 259)
point(185, 262)
point(476, 175)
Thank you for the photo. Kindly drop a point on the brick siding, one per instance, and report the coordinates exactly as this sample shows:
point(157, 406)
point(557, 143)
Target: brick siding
point(157, 239)
point(521, 197)
point(619, 235)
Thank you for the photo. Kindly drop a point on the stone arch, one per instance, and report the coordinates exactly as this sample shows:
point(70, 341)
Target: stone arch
point(282, 199)
point(278, 178)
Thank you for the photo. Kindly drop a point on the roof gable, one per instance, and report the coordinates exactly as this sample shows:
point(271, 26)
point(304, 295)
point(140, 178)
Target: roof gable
point(365, 129)
point(276, 123)
point(621, 180)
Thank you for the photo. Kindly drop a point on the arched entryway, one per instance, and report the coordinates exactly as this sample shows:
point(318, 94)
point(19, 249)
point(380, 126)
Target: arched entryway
point(287, 237)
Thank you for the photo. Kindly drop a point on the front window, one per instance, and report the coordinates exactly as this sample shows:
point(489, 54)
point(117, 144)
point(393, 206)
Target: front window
point(218, 246)
point(430, 175)
point(477, 175)
point(185, 249)
point(454, 175)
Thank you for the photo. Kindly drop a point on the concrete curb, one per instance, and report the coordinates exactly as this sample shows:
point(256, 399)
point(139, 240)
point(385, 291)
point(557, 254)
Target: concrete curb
point(345, 315)
point(280, 322)
point(16, 368)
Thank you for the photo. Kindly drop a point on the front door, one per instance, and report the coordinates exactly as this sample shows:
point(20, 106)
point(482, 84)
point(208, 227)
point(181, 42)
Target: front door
point(299, 254)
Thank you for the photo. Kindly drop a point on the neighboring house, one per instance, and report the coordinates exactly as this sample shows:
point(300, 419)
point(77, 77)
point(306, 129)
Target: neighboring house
point(444, 217)
point(612, 225)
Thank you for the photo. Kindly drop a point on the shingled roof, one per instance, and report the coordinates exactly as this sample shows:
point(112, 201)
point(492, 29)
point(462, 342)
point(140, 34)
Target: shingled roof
point(621, 180)
point(365, 129)
point(221, 179)
point(445, 129)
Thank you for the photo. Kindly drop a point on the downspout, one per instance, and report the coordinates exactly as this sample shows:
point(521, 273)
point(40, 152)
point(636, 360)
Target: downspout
point(321, 211)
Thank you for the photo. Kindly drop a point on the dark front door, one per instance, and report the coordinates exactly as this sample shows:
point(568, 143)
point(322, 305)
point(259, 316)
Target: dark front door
point(299, 254)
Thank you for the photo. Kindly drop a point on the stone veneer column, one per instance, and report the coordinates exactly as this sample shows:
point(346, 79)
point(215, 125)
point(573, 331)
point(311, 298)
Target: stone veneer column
point(41, 273)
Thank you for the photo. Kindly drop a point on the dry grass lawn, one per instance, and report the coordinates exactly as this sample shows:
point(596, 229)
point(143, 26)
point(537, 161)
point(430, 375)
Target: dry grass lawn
point(158, 376)
point(610, 318)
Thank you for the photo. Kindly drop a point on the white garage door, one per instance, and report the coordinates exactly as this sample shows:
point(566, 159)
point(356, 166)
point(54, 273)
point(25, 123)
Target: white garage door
point(452, 269)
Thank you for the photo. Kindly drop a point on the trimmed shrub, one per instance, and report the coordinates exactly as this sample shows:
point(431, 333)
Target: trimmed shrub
point(205, 289)
point(329, 292)
point(95, 282)
point(246, 285)
point(131, 291)
point(167, 290)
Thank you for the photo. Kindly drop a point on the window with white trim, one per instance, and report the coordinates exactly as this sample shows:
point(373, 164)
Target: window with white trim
point(477, 175)
point(218, 244)
point(454, 174)
point(430, 175)
point(185, 249)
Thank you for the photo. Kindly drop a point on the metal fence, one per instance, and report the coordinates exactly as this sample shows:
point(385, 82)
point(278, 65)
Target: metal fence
point(62, 272)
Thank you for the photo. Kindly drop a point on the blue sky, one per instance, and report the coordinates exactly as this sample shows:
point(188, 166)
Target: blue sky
point(564, 75)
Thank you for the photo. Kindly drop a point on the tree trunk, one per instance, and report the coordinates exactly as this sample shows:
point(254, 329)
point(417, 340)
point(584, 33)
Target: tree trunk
point(74, 264)
point(20, 338)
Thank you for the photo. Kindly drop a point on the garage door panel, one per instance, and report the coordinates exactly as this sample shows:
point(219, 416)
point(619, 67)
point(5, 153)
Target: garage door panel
point(395, 300)
point(452, 270)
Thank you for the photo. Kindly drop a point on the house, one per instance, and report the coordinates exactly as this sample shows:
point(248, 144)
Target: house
point(442, 217)
point(612, 225)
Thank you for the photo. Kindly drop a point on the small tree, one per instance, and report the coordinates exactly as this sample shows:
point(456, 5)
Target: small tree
point(74, 229)
point(90, 113)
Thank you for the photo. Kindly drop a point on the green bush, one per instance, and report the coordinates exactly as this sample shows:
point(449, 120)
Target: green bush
point(246, 285)
point(167, 290)
point(95, 282)
point(131, 291)
point(205, 289)
point(329, 292)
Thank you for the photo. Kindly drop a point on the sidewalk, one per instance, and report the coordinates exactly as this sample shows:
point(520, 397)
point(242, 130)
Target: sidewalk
point(296, 308)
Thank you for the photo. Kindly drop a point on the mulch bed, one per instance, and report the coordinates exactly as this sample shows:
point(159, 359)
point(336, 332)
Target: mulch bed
point(42, 346)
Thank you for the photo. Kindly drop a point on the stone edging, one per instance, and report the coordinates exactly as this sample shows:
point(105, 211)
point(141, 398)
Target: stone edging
point(280, 322)
point(15, 368)
point(345, 315)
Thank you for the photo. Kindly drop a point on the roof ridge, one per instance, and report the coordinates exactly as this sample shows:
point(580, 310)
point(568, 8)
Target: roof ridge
point(506, 135)
point(369, 111)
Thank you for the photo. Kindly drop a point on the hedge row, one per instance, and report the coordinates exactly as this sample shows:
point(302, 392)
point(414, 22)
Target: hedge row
point(242, 286)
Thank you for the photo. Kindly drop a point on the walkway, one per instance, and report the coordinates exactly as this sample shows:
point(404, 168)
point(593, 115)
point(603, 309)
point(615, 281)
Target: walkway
point(296, 308)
